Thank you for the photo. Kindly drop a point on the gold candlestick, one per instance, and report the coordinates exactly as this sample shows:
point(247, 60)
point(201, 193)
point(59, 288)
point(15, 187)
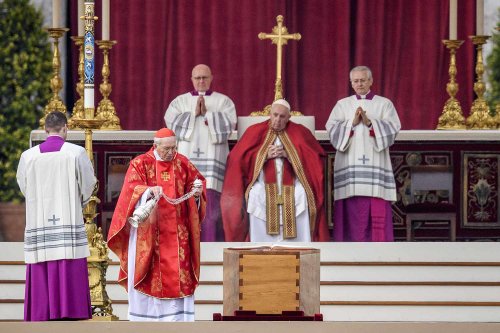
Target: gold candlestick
point(106, 110)
point(98, 261)
point(452, 117)
point(55, 102)
point(78, 112)
point(480, 117)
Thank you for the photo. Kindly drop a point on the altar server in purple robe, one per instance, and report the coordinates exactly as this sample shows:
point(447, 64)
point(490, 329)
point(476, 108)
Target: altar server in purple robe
point(57, 179)
point(203, 121)
point(362, 127)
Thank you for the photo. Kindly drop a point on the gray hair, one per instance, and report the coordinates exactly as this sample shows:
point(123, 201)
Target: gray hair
point(159, 141)
point(361, 69)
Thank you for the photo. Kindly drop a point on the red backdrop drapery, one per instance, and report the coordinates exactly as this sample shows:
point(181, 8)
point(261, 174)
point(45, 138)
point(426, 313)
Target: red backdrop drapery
point(159, 41)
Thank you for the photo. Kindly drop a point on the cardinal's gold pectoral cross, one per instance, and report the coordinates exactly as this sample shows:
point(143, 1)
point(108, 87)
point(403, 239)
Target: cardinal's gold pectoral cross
point(280, 37)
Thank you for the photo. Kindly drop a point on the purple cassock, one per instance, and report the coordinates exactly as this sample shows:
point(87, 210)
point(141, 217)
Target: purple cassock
point(59, 289)
point(211, 227)
point(363, 219)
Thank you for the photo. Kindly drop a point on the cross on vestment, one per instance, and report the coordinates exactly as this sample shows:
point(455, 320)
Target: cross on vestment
point(198, 152)
point(165, 176)
point(53, 219)
point(364, 159)
point(280, 37)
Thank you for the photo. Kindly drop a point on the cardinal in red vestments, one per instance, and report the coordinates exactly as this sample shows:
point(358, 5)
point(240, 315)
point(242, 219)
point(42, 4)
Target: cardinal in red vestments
point(273, 186)
point(166, 262)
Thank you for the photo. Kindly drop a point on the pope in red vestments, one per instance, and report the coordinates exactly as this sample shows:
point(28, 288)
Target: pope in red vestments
point(255, 152)
point(167, 260)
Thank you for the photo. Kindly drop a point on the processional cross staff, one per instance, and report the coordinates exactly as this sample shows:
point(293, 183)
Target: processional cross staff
point(280, 37)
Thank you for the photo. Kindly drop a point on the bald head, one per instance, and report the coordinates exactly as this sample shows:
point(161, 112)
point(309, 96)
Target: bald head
point(201, 76)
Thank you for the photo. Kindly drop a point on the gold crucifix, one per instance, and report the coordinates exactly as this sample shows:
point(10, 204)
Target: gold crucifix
point(165, 176)
point(280, 37)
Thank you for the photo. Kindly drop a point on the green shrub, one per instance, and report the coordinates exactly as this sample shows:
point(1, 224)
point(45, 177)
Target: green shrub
point(493, 95)
point(25, 70)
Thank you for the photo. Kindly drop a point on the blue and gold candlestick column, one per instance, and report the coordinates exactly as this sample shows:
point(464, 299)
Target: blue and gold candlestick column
point(98, 260)
point(89, 61)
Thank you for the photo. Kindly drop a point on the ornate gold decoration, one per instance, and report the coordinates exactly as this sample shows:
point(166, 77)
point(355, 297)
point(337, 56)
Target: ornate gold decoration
point(98, 260)
point(288, 206)
point(413, 158)
point(280, 37)
point(480, 117)
point(285, 201)
point(452, 116)
point(404, 177)
point(273, 200)
point(106, 110)
point(55, 102)
point(481, 176)
point(165, 176)
point(78, 112)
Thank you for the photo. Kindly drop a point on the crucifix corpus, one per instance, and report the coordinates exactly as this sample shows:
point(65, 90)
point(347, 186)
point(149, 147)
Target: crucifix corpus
point(280, 37)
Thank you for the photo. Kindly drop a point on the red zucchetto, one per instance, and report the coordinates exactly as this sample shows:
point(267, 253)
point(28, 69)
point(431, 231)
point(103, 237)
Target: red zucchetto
point(164, 133)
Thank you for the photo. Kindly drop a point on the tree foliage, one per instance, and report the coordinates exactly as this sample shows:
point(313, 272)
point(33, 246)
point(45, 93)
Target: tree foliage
point(493, 96)
point(25, 70)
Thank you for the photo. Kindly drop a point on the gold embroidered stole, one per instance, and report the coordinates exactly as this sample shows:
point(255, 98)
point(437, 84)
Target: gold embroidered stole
point(284, 201)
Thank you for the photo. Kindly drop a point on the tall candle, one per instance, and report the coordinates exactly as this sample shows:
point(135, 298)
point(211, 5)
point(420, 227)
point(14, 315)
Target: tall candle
point(105, 19)
point(453, 19)
point(479, 17)
point(89, 59)
point(81, 12)
point(56, 13)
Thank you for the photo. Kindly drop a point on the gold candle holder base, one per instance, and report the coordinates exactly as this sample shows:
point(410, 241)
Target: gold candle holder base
point(106, 110)
point(78, 111)
point(480, 117)
point(452, 117)
point(55, 102)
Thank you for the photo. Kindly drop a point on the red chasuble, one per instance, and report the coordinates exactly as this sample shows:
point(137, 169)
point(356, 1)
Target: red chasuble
point(247, 159)
point(168, 242)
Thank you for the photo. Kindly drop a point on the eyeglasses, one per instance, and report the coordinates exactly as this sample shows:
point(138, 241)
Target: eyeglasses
point(166, 149)
point(199, 78)
point(359, 81)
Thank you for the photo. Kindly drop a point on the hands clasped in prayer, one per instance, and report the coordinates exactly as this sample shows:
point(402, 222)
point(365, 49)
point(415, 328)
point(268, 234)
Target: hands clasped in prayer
point(360, 116)
point(276, 151)
point(201, 109)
